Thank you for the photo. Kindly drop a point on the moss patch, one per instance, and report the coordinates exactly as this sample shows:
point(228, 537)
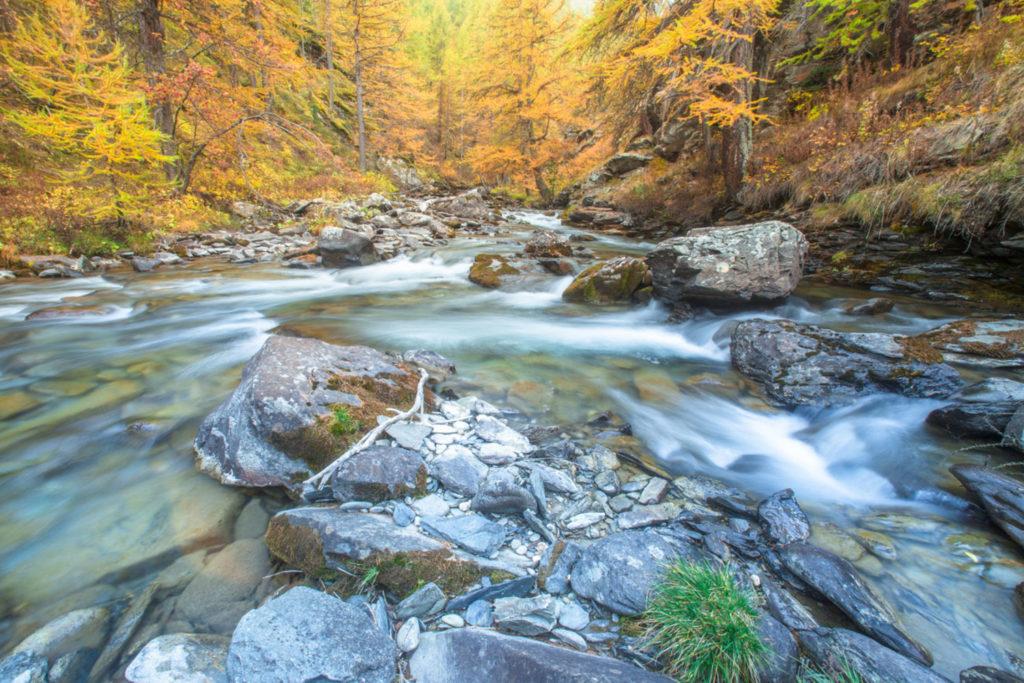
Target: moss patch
point(404, 573)
point(926, 346)
point(300, 547)
point(610, 282)
point(487, 270)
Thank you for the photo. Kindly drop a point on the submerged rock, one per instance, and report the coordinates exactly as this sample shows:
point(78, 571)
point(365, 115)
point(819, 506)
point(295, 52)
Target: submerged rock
point(808, 365)
point(306, 635)
point(82, 628)
point(226, 587)
point(729, 266)
point(198, 658)
point(280, 426)
point(832, 649)
point(616, 281)
point(478, 655)
point(1000, 494)
point(836, 580)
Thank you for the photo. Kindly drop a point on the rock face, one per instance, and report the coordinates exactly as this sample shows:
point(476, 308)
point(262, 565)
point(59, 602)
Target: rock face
point(833, 648)
point(729, 266)
point(1002, 496)
point(982, 411)
point(306, 635)
point(808, 365)
point(983, 343)
point(466, 655)
point(835, 579)
point(380, 473)
point(784, 520)
point(619, 570)
point(345, 248)
point(616, 281)
point(625, 162)
point(547, 244)
point(470, 204)
point(278, 426)
point(181, 656)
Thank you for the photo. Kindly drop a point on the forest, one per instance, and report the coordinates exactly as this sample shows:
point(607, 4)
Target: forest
point(122, 119)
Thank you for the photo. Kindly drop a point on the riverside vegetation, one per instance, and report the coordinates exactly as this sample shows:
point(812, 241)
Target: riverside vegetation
point(238, 234)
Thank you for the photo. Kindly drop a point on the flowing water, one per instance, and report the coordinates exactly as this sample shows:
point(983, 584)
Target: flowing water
point(97, 416)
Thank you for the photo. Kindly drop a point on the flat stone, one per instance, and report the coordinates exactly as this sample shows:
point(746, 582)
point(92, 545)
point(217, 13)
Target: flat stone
point(526, 616)
point(479, 613)
point(620, 503)
point(782, 656)
point(583, 520)
point(459, 470)
point(474, 533)
point(570, 638)
point(498, 454)
point(16, 403)
point(480, 655)
point(127, 623)
point(500, 494)
point(82, 628)
point(1000, 494)
point(573, 615)
point(409, 435)
point(403, 514)
point(646, 515)
point(431, 506)
point(453, 620)
point(380, 473)
point(832, 649)
point(607, 481)
point(784, 520)
point(426, 601)
point(308, 635)
point(554, 479)
point(654, 491)
point(506, 589)
point(495, 431)
point(408, 637)
point(181, 657)
point(438, 367)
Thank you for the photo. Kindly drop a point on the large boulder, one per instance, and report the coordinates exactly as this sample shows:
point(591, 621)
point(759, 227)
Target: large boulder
point(1000, 494)
point(981, 343)
point(807, 365)
point(624, 162)
point(300, 403)
point(472, 204)
point(548, 244)
point(462, 655)
point(619, 280)
point(493, 271)
point(327, 542)
point(179, 657)
point(982, 411)
point(306, 635)
point(835, 579)
point(729, 266)
point(345, 248)
point(400, 171)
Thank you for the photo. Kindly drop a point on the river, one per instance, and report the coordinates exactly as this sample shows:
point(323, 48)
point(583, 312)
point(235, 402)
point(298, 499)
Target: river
point(98, 490)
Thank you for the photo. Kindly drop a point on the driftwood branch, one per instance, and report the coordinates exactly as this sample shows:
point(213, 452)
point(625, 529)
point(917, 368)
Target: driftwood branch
point(323, 475)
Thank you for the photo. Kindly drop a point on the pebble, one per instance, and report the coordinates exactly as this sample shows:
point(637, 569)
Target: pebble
point(574, 616)
point(408, 638)
point(570, 638)
point(464, 505)
point(620, 503)
point(584, 520)
point(521, 550)
point(403, 514)
point(355, 505)
point(453, 620)
point(654, 492)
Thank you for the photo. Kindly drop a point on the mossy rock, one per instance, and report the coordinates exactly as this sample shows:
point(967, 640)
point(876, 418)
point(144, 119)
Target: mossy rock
point(488, 269)
point(614, 281)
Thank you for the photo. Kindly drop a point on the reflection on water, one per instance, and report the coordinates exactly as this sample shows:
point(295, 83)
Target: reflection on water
point(97, 417)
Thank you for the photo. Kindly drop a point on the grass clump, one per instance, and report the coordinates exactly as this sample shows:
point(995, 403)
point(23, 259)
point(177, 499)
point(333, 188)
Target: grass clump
point(343, 423)
point(702, 625)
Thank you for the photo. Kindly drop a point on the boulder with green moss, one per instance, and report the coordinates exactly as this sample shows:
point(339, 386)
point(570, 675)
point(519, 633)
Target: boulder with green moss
point(493, 270)
point(300, 404)
point(616, 281)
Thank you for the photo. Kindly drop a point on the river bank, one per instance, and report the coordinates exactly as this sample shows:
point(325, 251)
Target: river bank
point(169, 346)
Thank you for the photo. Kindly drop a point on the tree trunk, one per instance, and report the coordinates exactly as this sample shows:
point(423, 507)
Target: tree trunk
point(329, 46)
point(901, 31)
point(360, 113)
point(442, 123)
point(151, 43)
point(737, 138)
point(542, 186)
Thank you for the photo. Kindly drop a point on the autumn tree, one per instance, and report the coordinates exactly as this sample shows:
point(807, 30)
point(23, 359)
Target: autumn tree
point(80, 102)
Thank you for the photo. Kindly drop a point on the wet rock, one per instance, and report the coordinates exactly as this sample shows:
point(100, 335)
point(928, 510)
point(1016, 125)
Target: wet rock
point(654, 491)
point(16, 403)
point(438, 367)
point(252, 520)
point(493, 271)
point(479, 655)
point(24, 667)
point(782, 656)
point(526, 616)
point(380, 473)
point(556, 566)
point(69, 312)
point(980, 343)
point(276, 428)
point(82, 628)
point(982, 411)
point(179, 657)
point(500, 494)
point(1001, 495)
point(141, 264)
point(73, 667)
point(470, 532)
point(459, 470)
point(833, 649)
point(624, 162)
point(784, 520)
point(226, 587)
point(125, 629)
point(614, 281)
point(733, 265)
point(618, 571)
point(308, 635)
point(547, 244)
point(428, 600)
point(988, 674)
point(838, 582)
point(512, 588)
point(495, 431)
point(784, 607)
point(806, 365)
point(876, 306)
point(342, 247)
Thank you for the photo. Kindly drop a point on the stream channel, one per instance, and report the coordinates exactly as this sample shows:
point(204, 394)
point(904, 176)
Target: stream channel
point(98, 490)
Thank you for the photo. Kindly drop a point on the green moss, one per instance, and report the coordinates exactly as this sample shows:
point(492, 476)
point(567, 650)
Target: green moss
point(403, 573)
point(300, 547)
point(343, 422)
point(487, 270)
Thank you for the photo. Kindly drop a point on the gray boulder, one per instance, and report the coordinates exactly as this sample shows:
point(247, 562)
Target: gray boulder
point(306, 635)
point(729, 266)
point(380, 473)
point(500, 494)
point(782, 656)
point(832, 649)
point(784, 520)
point(345, 248)
point(624, 162)
point(837, 581)
point(459, 470)
point(467, 655)
point(179, 657)
point(807, 365)
point(526, 616)
point(471, 204)
point(982, 411)
point(1000, 494)
point(474, 533)
point(276, 428)
point(619, 570)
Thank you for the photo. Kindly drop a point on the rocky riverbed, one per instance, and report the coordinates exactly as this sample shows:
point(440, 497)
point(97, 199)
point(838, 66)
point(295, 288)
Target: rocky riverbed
point(526, 512)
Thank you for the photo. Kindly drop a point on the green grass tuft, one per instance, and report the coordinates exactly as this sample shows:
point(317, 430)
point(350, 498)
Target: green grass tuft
point(343, 423)
point(702, 625)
